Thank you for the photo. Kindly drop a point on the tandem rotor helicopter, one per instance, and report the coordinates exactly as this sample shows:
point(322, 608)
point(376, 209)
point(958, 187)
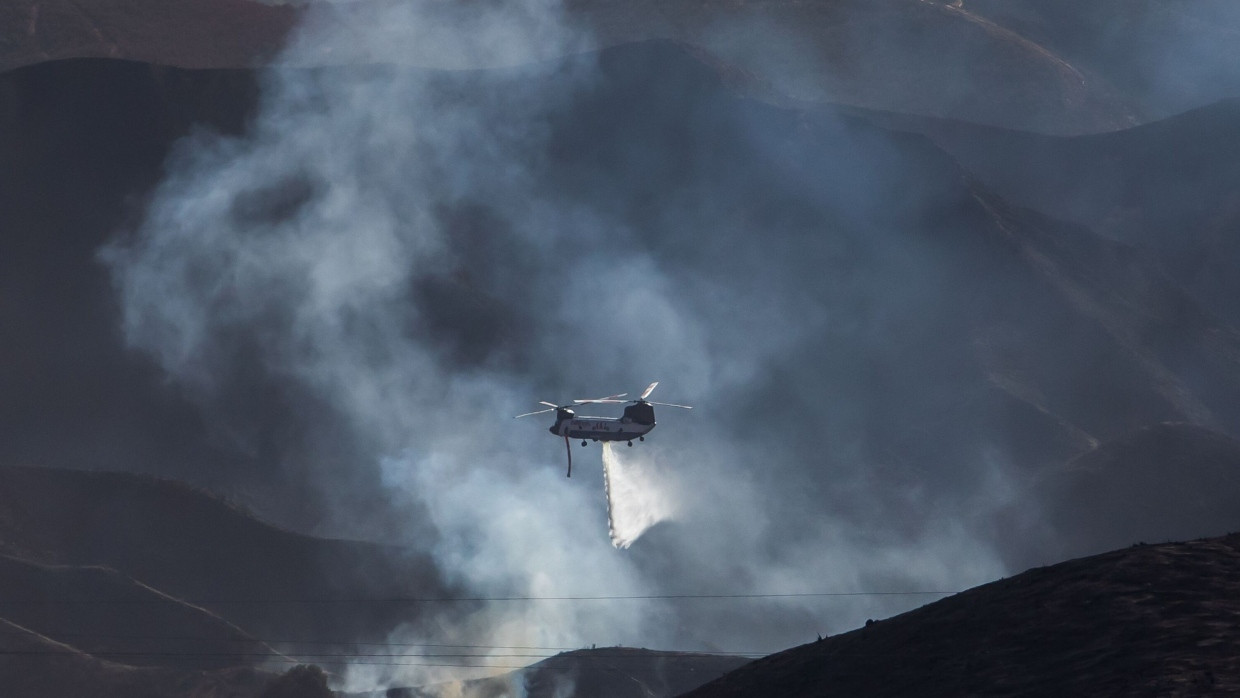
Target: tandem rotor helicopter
point(637, 421)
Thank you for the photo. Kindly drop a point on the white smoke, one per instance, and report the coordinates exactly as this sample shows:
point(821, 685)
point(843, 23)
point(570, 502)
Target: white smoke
point(635, 502)
point(302, 248)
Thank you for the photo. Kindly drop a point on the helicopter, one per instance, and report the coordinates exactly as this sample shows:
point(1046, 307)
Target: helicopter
point(636, 422)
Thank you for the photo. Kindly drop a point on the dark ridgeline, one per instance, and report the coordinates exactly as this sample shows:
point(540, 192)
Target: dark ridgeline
point(1142, 621)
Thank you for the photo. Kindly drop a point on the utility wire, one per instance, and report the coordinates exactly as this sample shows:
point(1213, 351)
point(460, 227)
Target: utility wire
point(477, 599)
point(367, 658)
point(364, 655)
point(462, 661)
point(343, 643)
point(273, 659)
point(255, 639)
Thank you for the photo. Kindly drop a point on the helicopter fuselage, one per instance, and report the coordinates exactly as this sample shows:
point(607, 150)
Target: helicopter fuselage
point(637, 421)
point(600, 429)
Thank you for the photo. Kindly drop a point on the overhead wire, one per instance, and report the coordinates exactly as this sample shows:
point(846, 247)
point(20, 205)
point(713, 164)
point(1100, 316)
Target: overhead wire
point(472, 651)
point(370, 658)
point(344, 643)
point(476, 599)
point(273, 641)
point(446, 659)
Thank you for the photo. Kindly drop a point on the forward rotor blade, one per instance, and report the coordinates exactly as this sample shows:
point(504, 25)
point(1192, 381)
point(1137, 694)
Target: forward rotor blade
point(668, 404)
point(530, 414)
point(548, 404)
point(649, 389)
point(598, 401)
point(609, 398)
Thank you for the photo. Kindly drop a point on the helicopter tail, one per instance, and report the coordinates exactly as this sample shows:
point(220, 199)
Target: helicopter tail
point(569, 448)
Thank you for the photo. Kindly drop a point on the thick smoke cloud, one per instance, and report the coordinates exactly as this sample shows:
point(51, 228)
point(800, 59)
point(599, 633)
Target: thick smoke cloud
point(392, 262)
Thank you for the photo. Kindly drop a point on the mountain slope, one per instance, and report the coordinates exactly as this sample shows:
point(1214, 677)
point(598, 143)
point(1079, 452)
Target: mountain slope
point(34, 666)
point(1008, 278)
point(186, 33)
point(104, 614)
point(914, 56)
point(1166, 57)
point(1104, 495)
point(1147, 620)
point(1023, 67)
point(191, 545)
point(959, 321)
point(1170, 188)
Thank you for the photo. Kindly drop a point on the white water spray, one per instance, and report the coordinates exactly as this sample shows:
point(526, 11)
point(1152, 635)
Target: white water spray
point(634, 502)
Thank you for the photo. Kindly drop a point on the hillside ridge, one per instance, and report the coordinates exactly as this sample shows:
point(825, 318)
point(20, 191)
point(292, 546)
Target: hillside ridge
point(1143, 620)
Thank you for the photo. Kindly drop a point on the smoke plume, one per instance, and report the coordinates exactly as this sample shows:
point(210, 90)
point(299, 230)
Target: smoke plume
point(393, 261)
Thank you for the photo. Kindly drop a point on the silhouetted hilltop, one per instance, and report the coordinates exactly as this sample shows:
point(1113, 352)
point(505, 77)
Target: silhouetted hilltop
point(624, 672)
point(1146, 620)
point(606, 672)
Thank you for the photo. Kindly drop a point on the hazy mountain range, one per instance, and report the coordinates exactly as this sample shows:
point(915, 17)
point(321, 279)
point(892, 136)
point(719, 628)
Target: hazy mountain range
point(951, 287)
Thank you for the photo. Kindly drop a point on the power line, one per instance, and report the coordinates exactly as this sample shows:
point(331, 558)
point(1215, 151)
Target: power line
point(271, 658)
point(596, 654)
point(202, 638)
point(457, 661)
point(344, 643)
point(478, 599)
point(337, 662)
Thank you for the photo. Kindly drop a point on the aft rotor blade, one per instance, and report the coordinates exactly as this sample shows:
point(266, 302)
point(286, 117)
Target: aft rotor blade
point(649, 389)
point(530, 414)
point(598, 401)
point(668, 404)
point(548, 404)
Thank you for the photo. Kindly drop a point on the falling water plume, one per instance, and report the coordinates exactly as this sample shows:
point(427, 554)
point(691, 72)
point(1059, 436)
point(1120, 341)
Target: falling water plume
point(634, 504)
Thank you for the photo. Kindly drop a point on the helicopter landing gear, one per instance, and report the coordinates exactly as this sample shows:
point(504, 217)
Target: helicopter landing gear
point(630, 444)
point(640, 438)
point(583, 442)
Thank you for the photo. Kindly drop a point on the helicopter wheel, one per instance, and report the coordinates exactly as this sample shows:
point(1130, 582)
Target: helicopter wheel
point(583, 442)
point(640, 438)
point(630, 444)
